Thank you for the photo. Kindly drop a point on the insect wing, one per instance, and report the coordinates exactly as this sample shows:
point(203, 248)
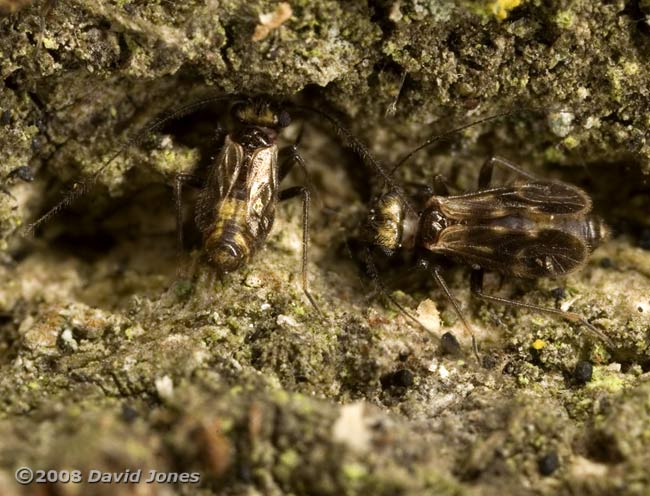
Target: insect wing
point(262, 190)
point(533, 199)
point(229, 164)
point(220, 183)
point(544, 252)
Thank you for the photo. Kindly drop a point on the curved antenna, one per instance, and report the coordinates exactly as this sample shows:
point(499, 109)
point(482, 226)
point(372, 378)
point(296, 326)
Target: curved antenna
point(447, 134)
point(80, 188)
point(360, 149)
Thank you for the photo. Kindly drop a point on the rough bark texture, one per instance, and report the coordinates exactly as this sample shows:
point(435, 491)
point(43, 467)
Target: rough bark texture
point(109, 360)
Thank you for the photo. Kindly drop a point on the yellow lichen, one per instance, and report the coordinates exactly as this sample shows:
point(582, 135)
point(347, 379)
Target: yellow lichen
point(501, 8)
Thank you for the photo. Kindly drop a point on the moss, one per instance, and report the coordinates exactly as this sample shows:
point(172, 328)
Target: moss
point(611, 381)
point(565, 19)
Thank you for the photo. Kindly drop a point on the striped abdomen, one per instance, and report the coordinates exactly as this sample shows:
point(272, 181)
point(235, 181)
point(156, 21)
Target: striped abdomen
point(229, 244)
point(236, 209)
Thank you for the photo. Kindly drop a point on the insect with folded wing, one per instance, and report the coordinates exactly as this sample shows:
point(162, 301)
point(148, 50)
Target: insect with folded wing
point(238, 195)
point(533, 228)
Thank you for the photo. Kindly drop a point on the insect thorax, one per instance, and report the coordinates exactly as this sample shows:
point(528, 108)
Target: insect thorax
point(432, 222)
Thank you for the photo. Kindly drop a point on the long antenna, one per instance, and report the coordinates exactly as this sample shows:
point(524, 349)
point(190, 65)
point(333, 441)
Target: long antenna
point(80, 188)
point(360, 149)
point(447, 134)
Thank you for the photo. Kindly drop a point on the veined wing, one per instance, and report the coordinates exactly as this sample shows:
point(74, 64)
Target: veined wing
point(220, 183)
point(537, 198)
point(543, 252)
point(228, 167)
point(262, 190)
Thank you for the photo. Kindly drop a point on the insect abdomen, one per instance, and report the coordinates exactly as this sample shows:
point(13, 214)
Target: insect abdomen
point(229, 244)
point(595, 231)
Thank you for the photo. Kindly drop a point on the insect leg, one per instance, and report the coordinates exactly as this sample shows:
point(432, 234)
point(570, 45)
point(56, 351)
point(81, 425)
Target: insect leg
point(293, 157)
point(440, 185)
point(418, 193)
point(485, 175)
point(376, 279)
point(289, 160)
point(179, 181)
point(306, 201)
point(435, 272)
point(421, 193)
point(477, 289)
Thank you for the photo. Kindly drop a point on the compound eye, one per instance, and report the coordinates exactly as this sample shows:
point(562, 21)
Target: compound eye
point(284, 119)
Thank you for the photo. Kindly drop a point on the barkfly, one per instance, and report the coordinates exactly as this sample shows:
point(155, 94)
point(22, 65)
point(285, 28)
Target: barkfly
point(533, 228)
point(236, 203)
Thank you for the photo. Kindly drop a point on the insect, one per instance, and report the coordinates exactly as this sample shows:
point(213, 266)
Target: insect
point(533, 228)
point(238, 195)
